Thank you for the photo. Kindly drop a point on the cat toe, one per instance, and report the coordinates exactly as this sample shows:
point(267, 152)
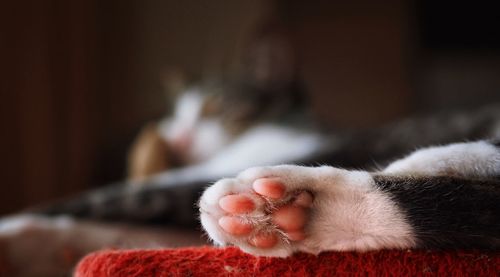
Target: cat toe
point(237, 204)
point(235, 225)
point(269, 187)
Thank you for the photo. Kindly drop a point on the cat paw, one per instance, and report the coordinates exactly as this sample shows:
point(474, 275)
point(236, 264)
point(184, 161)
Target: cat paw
point(265, 211)
point(279, 210)
point(262, 216)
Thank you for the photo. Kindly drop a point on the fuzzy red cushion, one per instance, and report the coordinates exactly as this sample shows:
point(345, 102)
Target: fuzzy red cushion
point(207, 261)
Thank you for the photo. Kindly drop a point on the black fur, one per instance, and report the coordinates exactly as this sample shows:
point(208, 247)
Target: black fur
point(172, 204)
point(448, 212)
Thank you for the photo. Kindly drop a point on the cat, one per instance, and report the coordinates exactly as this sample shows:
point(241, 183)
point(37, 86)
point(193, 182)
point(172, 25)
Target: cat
point(438, 197)
point(201, 131)
point(168, 198)
point(265, 98)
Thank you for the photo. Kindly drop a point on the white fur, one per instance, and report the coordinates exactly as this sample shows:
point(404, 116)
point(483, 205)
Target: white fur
point(16, 224)
point(262, 145)
point(185, 117)
point(206, 136)
point(188, 107)
point(348, 212)
point(209, 138)
point(473, 159)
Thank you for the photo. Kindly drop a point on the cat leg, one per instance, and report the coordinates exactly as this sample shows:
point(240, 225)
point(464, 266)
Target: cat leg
point(472, 159)
point(33, 245)
point(450, 194)
point(276, 211)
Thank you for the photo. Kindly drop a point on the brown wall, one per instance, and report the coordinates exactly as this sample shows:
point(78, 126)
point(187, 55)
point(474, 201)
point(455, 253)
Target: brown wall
point(356, 59)
point(47, 85)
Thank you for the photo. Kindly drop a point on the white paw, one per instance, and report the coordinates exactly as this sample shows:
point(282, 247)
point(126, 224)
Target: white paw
point(276, 211)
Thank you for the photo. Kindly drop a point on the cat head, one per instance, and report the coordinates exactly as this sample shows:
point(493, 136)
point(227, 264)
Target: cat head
point(264, 87)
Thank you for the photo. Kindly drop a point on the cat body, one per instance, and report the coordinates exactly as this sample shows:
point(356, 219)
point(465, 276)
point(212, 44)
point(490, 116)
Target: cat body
point(168, 197)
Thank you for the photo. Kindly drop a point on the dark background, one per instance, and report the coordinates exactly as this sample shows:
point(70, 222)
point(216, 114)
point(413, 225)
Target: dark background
point(79, 78)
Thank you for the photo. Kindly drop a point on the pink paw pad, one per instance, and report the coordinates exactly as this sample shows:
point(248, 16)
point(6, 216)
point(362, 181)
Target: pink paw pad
point(289, 217)
point(237, 204)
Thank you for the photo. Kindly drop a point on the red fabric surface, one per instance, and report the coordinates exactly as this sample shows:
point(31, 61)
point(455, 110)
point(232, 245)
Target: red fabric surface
point(207, 261)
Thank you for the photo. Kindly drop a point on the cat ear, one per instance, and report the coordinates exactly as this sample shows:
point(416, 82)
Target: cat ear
point(269, 60)
point(173, 81)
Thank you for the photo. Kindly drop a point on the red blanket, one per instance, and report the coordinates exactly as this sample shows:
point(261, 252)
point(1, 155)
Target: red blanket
point(207, 261)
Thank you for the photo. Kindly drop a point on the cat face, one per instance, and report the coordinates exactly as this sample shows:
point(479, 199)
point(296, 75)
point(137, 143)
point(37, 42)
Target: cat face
point(262, 88)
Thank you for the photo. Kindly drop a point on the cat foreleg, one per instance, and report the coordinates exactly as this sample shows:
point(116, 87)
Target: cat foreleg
point(472, 159)
point(278, 210)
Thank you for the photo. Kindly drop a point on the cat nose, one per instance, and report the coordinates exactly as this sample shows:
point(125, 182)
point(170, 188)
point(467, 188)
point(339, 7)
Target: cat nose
point(183, 139)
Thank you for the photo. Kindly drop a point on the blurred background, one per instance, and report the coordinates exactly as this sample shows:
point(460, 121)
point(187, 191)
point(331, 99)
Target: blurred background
point(79, 78)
